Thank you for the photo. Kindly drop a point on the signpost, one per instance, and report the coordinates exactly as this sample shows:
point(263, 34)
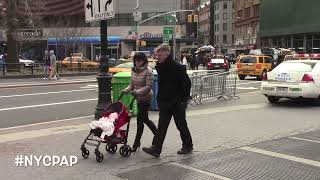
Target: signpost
point(99, 10)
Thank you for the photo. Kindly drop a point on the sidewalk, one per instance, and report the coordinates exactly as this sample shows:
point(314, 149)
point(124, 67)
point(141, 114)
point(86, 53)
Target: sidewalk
point(213, 127)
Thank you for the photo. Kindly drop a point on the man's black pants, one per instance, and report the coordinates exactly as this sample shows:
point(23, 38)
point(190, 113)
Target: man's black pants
point(178, 111)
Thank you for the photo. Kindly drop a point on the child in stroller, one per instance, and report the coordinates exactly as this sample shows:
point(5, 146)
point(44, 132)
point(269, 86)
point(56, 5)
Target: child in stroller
point(108, 130)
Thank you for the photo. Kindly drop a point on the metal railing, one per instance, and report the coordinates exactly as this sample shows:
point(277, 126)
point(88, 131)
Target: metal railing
point(38, 69)
point(208, 85)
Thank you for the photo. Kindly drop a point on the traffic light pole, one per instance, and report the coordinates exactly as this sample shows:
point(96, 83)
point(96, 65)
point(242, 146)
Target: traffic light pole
point(158, 15)
point(103, 77)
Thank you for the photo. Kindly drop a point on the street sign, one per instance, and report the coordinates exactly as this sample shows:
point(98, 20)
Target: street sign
point(167, 34)
point(137, 16)
point(96, 10)
point(89, 10)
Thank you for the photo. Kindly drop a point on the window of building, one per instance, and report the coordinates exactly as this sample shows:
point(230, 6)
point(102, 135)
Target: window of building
point(225, 38)
point(256, 10)
point(225, 26)
point(225, 5)
point(217, 5)
point(247, 12)
point(218, 27)
point(232, 38)
point(239, 14)
point(232, 27)
point(225, 16)
point(234, 15)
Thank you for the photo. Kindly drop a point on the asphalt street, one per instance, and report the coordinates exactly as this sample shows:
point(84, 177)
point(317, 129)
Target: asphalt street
point(241, 138)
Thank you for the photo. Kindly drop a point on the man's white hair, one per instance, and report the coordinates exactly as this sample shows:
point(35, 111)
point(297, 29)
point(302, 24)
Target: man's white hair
point(163, 47)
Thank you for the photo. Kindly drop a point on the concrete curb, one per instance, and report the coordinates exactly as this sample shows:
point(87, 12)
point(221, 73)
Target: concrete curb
point(46, 84)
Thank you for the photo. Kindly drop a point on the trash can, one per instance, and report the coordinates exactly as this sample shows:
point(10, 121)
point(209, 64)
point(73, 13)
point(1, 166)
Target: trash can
point(154, 103)
point(120, 81)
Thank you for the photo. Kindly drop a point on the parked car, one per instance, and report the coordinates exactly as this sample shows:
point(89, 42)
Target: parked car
point(75, 62)
point(292, 79)
point(26, 62)
point(218, 64)
point(254, 65)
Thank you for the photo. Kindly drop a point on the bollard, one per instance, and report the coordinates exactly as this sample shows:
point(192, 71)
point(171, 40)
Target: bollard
point(79, 66)
point(32, 69)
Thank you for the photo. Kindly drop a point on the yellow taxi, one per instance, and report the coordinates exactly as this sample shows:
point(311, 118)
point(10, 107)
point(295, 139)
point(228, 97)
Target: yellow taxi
point(127, 67)
point(76, 62)
point(254, 65)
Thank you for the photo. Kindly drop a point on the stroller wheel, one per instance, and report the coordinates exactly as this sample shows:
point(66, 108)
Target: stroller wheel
point(111, 148)
point(99, 156)
point(85, 154)
point(125, 151)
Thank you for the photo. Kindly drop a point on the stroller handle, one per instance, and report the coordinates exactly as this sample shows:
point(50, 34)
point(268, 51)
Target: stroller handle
point(131, 103)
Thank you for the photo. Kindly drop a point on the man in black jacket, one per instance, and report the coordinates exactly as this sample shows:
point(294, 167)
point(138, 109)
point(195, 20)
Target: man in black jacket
point(173, 96)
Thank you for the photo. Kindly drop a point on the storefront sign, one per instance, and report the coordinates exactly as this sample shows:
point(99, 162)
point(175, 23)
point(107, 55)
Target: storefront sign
point(148, 35)
point(29, 34)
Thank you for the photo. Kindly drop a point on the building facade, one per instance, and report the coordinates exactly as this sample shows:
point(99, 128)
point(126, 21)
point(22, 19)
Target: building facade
point(63, 27)
point(223, 21)
point(204, 22)
point(247, 24)
point(280, 28)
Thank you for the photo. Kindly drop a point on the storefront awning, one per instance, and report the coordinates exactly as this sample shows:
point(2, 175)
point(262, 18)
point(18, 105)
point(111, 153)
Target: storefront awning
point(83, 40)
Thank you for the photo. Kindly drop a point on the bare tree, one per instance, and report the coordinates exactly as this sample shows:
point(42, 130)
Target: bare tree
point(70, 36)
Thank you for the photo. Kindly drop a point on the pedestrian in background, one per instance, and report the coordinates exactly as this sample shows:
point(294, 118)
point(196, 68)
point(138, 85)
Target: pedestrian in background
point(141, 88)
point(53, 65)
point(173, 95)
point(46, 63)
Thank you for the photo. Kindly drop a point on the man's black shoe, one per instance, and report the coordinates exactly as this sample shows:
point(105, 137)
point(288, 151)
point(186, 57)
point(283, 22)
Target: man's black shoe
point(152, 151)
point(185, 151)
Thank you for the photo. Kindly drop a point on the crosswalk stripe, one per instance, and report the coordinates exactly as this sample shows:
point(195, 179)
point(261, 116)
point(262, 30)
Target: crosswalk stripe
point(282, 156)
point(302, 139)
point(200, 171)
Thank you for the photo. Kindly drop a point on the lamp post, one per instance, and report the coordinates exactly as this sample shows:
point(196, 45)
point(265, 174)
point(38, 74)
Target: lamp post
point(103, 77)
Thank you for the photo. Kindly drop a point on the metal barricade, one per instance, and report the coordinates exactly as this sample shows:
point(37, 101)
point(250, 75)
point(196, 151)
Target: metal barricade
point(213, 84)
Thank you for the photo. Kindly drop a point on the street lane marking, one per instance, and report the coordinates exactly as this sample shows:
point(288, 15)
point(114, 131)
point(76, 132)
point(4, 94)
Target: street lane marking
point(247, 88)
point(282, 156)
point(256, 82)
point(252, 92)
point(200, 171)
point(302, 139)
point(50, 104)
point(53, 92)
point(48, 122)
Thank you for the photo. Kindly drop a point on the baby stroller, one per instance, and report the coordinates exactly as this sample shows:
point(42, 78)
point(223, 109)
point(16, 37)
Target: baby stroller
point(119, 136)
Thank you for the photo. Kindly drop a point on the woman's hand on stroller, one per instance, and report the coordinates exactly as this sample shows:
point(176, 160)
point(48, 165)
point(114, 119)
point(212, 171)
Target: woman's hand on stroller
point(133, 93)
point(123, 91)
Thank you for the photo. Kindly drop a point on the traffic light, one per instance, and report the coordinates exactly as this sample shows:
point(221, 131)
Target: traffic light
point(190, 18)
point(143, 43)
point(195, 18)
